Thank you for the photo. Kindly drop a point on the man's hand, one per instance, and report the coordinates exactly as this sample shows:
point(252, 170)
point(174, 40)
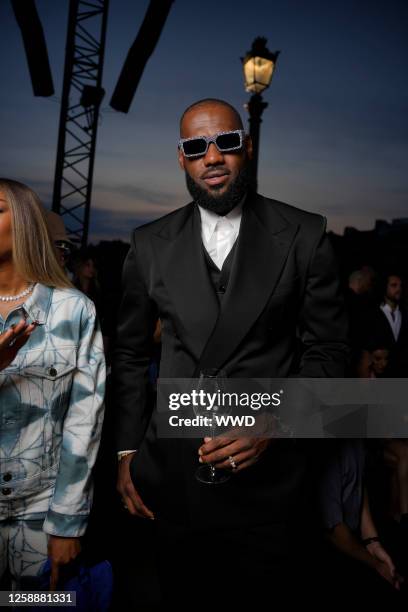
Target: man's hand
point(130, 497)
point(383, 564)
point(61, 551)
point(243, 451)
point(12, 340)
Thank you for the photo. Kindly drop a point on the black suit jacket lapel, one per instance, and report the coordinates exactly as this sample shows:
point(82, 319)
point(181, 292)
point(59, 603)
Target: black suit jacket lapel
point(185, 275)
point(264, 241)
point(390, 338)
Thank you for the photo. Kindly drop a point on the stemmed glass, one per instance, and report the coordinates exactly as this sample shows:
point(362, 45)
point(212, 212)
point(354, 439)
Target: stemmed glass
point(211, 381)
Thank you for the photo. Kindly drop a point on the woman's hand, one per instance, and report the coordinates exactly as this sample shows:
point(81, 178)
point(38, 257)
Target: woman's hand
point(12, 340)
point(61, 551)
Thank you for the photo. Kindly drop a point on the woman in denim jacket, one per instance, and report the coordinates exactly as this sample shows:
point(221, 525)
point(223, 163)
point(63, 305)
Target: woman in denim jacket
point(51, 396)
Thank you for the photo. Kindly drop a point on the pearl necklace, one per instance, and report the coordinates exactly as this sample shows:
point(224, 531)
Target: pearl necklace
point(14, 298)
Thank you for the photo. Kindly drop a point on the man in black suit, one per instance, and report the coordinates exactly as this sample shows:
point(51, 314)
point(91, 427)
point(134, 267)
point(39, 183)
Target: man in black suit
point(388, 324)
point(239, 282)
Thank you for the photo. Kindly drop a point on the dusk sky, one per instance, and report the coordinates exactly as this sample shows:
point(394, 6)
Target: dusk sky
point(333, 139)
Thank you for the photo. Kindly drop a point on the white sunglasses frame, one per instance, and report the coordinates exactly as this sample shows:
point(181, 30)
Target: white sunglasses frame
point(209, 140)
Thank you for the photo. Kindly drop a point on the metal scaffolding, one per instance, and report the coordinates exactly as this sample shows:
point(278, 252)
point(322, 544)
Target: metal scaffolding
point(82, 94)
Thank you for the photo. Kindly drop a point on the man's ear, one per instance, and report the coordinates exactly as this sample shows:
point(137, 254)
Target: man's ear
point(180, 158)
point(248, 146)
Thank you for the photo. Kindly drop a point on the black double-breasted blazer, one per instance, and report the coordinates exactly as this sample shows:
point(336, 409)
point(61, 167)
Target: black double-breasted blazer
point(283, 295)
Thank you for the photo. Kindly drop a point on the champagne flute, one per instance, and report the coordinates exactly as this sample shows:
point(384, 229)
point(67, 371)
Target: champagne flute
point(211, 381)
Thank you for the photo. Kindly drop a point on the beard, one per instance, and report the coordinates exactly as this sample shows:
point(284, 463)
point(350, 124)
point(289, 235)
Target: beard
point(222, 203)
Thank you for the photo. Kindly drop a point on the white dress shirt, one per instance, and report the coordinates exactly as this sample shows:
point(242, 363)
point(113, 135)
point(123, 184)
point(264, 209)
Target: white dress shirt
point(394, 319)
point(220, 233)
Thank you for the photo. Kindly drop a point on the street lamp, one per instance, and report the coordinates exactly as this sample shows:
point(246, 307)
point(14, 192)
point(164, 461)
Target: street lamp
point(258, 66)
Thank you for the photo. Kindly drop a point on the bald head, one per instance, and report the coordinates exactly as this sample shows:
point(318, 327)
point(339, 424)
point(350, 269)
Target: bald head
point(211, 103)
point(217, 179)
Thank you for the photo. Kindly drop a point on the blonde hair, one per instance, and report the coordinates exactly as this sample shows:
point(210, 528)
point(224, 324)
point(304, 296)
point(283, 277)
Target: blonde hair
point(34, 253)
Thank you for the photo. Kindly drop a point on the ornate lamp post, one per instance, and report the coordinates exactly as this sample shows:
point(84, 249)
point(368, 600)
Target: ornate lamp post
point(258, 66)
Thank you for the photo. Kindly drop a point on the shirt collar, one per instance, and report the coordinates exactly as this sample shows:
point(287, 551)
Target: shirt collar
point(38, 304)
point(387, 307)
point(210, 219)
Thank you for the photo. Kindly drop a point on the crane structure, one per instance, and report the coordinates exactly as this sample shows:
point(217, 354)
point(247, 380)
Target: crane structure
point(82, 95)
point(82, 92)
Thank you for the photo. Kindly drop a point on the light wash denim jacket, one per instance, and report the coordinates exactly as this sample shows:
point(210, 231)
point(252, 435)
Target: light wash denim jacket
point(51, 407)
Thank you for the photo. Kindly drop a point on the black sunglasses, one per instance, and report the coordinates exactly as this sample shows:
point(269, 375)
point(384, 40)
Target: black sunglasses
point(224, 141)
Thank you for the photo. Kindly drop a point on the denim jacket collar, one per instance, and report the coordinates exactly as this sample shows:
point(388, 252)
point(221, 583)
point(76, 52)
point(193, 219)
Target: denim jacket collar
point(39, 302)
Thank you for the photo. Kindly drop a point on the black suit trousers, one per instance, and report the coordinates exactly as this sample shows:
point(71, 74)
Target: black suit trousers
point(236, 568)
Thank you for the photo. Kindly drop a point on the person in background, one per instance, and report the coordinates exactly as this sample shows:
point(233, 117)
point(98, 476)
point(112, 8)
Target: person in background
point(64, 246)
point(359, 301)
point(388, 323)
point(396, 458)
point(51, 393)
point(374, 360)
point(361, 282)
point(393, 453)
point(349, 525)
point(85, 278)
point(85, 275)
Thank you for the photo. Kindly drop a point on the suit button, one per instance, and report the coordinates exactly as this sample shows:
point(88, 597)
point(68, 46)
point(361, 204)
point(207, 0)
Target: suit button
point(6, 491)
point(7, 477)
point(52, 372)
point(221, 289)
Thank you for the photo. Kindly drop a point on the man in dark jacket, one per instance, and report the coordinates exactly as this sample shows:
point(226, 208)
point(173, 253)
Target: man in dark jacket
point(388, 325)
point(239, 282)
